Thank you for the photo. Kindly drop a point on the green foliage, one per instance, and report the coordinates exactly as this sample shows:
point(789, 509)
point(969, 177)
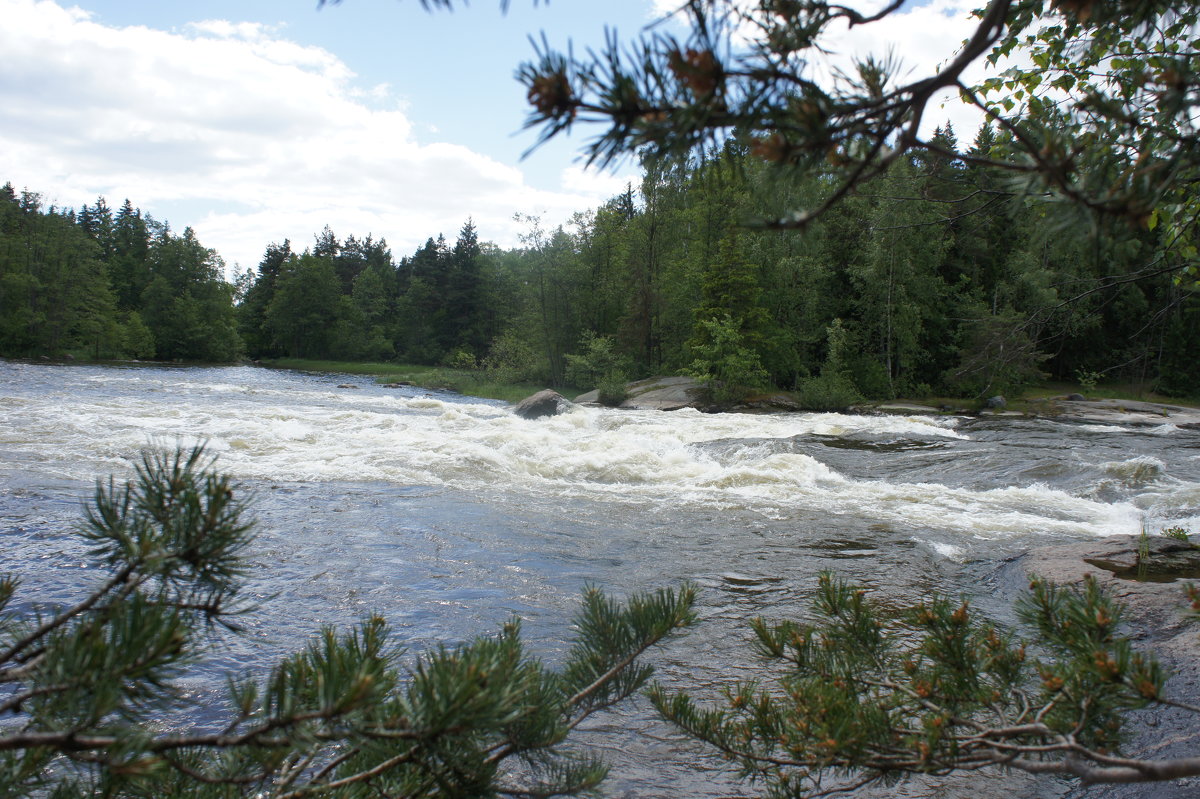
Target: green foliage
point(825, 393)
point(138, 341)
point(460, 359)
point(612, 391)
point(867, 697)
point(1177, 532)
point(1087, 380)
point(511, 359)
point(87, 687)
point(834, 388)
point(1143, 553)
point(601, 366)
point(97, 287)
point(1179, 372)
point(728, 369)
point(187, 304)
point(304, 309)
point(999, 356)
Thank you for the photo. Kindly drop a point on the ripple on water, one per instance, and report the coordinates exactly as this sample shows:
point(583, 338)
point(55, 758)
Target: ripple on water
point(450, 515)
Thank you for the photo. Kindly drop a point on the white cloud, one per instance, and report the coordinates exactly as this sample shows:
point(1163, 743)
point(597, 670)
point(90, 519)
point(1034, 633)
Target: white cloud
point(600, 184)
point(222, 115)
point(922, 37)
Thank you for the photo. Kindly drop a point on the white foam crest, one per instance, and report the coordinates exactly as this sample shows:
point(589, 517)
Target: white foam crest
point(616, 456)
point(1104, 428)
point(947, 551)
point(696, 427)
point(1168, 499)
point(995, 513)
point(1163, 430)
point(1135, 471)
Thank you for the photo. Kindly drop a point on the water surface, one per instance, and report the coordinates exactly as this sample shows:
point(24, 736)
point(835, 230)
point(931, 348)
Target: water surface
point(450, 515)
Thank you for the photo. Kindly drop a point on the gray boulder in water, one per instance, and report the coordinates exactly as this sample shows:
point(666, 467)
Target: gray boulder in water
point(544, 403)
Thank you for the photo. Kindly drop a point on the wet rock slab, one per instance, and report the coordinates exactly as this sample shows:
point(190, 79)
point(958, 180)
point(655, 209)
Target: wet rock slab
point(1156, 619)
point(656, 394)
point(1113, 411)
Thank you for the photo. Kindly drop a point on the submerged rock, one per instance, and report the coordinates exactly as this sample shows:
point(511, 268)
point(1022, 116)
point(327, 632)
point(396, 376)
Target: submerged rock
point(544, 403)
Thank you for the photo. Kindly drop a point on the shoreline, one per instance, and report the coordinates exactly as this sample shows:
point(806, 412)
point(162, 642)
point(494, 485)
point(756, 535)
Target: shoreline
point(669, 393)
point(675, 393)
point(1084, 411)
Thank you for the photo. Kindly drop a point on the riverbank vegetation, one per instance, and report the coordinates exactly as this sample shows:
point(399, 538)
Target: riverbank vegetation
point(98, 285)
point(471, 382)
point(934, 279)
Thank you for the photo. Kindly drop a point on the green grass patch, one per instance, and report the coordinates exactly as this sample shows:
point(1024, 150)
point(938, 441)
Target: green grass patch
point(468, 382)
point(1115, 391)
point(346, 367)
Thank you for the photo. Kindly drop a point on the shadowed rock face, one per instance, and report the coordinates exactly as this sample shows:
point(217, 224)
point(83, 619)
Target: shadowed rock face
point(543, 403)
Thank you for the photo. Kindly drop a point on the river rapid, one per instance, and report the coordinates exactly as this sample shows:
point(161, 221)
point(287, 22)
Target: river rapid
point(450, 515)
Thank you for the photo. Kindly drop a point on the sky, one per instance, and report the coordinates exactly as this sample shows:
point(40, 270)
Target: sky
point(258, 121)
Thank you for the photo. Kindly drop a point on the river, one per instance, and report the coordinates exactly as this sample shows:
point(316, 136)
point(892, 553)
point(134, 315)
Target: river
point(450, 515)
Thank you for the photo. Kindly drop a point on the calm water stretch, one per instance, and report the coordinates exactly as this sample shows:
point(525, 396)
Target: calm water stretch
point(450, 515)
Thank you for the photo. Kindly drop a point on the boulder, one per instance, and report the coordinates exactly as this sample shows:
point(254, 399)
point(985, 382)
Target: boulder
point(1075, 398)
point(665, 394)
point(347, 385)
point(544, 403)
point(997, 402)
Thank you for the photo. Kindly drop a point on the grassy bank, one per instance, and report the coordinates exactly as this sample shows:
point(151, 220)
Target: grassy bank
point(470, 383)
point(1116, 391)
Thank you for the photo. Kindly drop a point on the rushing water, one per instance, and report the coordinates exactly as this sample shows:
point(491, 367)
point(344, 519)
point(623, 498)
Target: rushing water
point(450, 515)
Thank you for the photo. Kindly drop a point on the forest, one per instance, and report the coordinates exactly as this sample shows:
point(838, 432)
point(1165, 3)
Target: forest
point(937, 278)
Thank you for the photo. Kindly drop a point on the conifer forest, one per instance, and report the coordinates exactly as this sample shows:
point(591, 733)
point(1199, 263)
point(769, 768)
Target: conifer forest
point(937, 278)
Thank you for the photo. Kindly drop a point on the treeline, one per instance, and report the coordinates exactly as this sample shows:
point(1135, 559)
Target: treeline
point(101, 285)
point(935, 279)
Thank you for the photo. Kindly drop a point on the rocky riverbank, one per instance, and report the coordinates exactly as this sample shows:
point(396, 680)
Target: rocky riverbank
point(1156, 620)
point(1068, 408)
point(673, 393)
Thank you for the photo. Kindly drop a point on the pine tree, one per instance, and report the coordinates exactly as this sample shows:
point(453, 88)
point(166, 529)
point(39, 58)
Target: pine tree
point(869, 696)
point(129, 252)
point(304, 311)
point(463, 320)
point(348, 715)
point(252, 312)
